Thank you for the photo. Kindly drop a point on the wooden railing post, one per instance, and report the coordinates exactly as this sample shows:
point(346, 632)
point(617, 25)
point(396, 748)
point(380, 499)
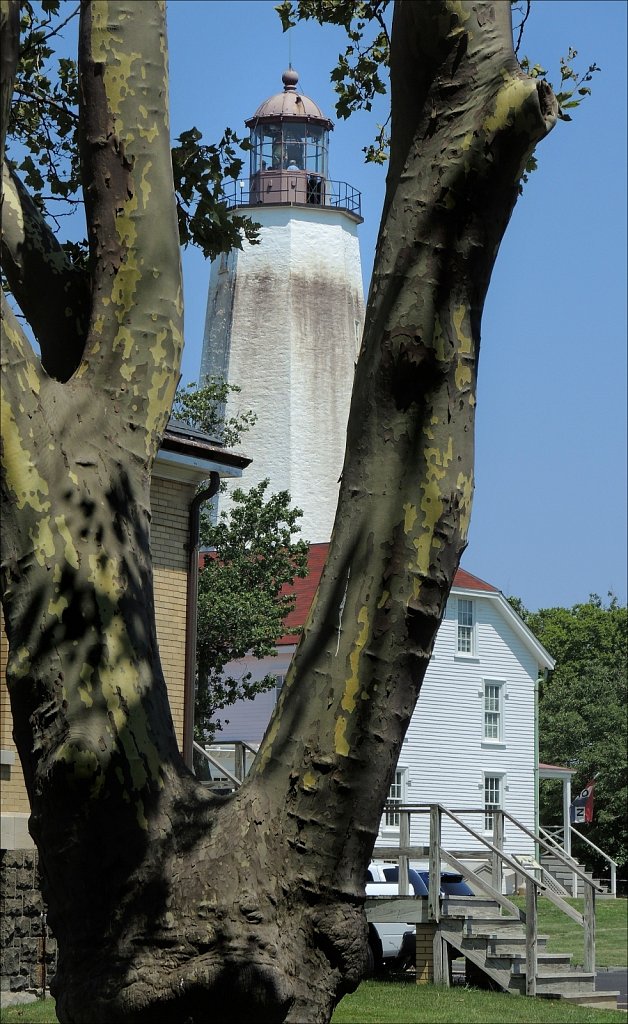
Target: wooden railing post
point(239, 761)
point(441, 960)
point(589, 928)
point(531, 937)
point(433, 894)
point(498, 842)
point(404, 842)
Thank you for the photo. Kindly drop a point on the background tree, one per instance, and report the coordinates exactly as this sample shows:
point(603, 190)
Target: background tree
point(253, 557)
point(582, 715)
point(242, 603)
point(203, 406)
point(251, 905)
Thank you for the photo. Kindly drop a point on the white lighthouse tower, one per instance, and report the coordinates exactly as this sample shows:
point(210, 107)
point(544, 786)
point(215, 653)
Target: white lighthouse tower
point(284, 317)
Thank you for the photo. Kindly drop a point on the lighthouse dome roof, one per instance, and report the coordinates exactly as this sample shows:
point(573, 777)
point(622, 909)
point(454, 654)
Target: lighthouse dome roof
point(289, 104)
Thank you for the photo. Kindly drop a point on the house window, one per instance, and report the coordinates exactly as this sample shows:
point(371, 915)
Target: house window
point(465, 627)
point(493, 785)
point(396, 796)
point(493, 710)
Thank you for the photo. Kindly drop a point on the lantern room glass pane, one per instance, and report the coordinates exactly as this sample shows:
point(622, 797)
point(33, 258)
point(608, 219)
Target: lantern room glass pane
point(289, 146)
point(316, 150)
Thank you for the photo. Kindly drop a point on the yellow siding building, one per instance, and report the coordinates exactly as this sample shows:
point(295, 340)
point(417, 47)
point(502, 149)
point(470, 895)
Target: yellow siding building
point(186, 458)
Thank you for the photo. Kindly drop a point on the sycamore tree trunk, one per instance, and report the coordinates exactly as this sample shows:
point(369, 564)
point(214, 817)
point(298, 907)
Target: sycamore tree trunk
point(170, 904)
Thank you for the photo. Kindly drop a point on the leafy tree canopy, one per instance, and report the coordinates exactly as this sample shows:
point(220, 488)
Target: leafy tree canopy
point(42, 144)
point(254, 555)
point(242, 602)
point(203, 406)
point(582, 711)
point(362, 70)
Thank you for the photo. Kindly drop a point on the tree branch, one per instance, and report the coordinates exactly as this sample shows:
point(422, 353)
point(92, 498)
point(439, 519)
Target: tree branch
point(131, 214)
point(52, 292)
point(464, 120)
point(20, 388)
point(9, 52)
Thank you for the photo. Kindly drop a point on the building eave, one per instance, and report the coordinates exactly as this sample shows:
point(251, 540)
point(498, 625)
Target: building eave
point(189, 455)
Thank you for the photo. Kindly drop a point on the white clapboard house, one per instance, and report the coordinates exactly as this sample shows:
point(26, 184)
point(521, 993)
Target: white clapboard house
point(472, 743)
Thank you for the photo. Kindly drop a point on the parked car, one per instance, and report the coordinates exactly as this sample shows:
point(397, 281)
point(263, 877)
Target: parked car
point(393, 944)
point(451, 883)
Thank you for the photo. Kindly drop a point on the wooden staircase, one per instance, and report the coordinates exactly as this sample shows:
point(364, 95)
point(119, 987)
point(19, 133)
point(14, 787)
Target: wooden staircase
point(500, 942)
point(494, 946)
point(561, 872)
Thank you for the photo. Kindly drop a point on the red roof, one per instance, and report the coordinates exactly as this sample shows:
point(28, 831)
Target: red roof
point(466, 581)
point(304, 591)
point(306, 588)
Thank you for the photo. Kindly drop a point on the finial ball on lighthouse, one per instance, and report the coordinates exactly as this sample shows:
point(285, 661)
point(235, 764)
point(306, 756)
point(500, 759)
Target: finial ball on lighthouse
point(290, 78)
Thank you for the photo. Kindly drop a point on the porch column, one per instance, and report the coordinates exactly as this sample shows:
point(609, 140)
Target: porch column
point(566, 822)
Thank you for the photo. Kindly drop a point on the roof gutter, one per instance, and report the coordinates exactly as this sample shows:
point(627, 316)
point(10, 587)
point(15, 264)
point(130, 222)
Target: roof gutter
point(191, 616)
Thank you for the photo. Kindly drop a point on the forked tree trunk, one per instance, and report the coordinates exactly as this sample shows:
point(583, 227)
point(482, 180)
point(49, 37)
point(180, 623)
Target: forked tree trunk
point(168, 903)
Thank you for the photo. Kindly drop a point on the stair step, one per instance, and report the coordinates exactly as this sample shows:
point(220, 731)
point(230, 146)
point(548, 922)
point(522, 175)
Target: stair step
point(472, 926)
point(470, 906)
point(505, 945)
point(558, 983)
point(596, 1000)
point(545, 962)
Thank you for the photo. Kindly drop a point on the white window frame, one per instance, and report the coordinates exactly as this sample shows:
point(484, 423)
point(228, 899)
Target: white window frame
point(493, 710)
point(465, 630)
point(490, 806)
point(396, 793)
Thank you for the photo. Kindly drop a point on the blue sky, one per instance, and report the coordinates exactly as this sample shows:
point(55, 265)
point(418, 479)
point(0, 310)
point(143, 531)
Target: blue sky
point(549, 518)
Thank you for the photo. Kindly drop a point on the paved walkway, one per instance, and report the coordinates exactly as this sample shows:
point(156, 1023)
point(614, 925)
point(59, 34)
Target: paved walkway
point(614, 979)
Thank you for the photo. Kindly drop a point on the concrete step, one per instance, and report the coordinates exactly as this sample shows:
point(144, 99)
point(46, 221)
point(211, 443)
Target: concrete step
point(595, 1000)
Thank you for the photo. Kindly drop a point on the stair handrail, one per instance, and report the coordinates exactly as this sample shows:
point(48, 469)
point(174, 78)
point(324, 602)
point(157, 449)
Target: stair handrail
point(556, 840)
point(612, 863)
point(589, 891)
point(518, 868)
point(228, 743)
point(533, 885)
point(221, 768)
point(239, 752)
point(553, 850)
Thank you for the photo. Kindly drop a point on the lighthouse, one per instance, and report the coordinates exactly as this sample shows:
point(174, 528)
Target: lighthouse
point(285, 316)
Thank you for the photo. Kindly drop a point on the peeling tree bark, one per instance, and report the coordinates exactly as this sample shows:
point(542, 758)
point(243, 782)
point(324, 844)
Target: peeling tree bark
point(247, 908)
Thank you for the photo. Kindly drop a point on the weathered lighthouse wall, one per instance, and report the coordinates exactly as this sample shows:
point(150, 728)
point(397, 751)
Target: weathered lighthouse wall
point(284, 321)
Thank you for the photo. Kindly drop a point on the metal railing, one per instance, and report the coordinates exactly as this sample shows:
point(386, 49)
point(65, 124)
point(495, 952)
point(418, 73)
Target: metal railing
point(555, 836)
point(241, 765)
point(498, 859)
point(300, 190)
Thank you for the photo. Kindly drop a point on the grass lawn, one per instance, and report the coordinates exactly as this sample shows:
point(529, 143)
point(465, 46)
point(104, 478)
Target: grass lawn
point(565, 936)
point(40, 1012)
point(381, 1002)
